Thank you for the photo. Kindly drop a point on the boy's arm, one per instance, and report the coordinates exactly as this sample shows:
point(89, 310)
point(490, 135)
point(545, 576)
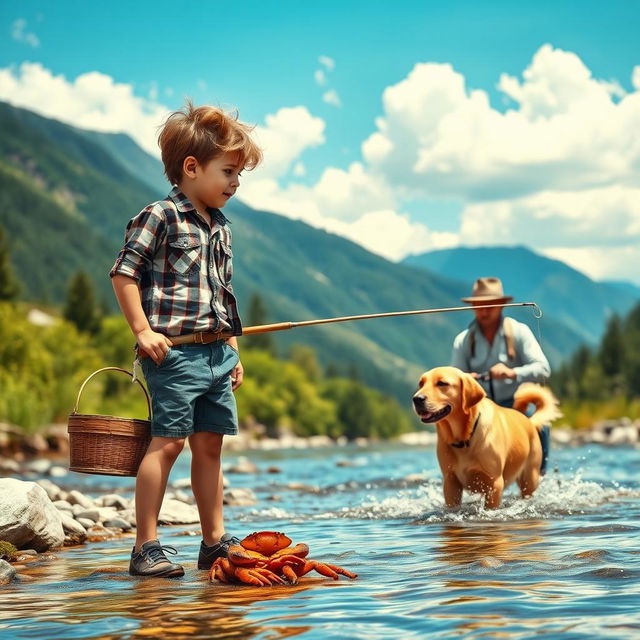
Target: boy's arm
point(128, 295)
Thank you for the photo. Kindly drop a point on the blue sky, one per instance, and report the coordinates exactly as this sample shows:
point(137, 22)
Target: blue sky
point(333, 62)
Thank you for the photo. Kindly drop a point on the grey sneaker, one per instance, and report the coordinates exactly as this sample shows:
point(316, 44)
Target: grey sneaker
point(151, 561)
point(208, 555)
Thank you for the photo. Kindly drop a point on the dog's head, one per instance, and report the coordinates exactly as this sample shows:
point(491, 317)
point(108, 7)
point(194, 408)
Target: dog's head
point(445, 390)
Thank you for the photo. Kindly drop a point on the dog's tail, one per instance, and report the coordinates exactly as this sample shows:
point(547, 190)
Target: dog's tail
point(546, 403)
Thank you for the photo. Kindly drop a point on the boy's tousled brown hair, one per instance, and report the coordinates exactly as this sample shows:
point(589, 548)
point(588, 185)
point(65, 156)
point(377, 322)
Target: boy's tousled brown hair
point(204, 133)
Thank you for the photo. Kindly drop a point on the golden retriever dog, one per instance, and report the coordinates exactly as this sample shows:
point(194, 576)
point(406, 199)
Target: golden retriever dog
point(481, 446)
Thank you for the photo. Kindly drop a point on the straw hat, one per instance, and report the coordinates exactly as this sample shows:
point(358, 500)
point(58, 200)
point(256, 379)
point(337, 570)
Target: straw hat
point(487, 290)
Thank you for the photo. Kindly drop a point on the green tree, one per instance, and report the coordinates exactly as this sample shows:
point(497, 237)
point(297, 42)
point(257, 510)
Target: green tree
point(9, 286)
point(80, 307)
point(305, 358)
point(611, 354)
point(257, 315)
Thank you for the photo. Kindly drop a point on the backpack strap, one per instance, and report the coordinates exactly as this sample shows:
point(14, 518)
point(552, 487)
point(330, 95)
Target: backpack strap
point(507, 327)
point(509, 342)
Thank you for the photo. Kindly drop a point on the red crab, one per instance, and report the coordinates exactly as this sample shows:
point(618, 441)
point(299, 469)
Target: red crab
point(266, 558)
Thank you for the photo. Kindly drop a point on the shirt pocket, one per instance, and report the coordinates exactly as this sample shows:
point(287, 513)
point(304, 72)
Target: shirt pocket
point(184, 253)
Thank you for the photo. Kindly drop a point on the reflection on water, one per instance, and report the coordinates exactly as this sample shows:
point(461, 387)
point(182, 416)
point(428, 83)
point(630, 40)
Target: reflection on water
point(565, 562)
point(492, 543)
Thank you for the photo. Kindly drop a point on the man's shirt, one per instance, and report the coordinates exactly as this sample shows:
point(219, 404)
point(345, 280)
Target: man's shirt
point(183, 267)
point(530, 364)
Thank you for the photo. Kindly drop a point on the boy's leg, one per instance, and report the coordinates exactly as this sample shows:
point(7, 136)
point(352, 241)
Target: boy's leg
point(151, 483)
point(206, 483)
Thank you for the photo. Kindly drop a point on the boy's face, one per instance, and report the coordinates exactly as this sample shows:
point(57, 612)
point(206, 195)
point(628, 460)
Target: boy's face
point(217, 180)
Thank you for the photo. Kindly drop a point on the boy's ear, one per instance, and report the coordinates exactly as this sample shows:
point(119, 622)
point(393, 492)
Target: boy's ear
point(189, 166)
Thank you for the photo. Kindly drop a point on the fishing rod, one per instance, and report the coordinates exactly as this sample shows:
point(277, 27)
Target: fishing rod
point(283, 326)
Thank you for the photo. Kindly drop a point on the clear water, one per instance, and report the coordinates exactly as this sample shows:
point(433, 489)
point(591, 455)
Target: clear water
point(565, 563)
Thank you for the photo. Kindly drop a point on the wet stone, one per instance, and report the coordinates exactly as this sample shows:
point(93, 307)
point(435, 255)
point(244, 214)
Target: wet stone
point(7, 572)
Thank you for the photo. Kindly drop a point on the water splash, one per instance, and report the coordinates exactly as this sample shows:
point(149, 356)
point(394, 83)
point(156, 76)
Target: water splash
point(556, 497)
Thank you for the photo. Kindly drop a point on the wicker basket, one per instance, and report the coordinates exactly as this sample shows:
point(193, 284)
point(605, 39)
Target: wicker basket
point(107, 445)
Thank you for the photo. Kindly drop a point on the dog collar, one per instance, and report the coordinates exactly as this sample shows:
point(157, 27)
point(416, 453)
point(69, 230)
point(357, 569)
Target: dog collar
point(465, 443)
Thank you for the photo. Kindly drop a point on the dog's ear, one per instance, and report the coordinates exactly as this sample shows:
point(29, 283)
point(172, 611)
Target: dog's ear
point(472, 392)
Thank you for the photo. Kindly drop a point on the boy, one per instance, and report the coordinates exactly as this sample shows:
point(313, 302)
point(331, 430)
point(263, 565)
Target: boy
point(172, 281)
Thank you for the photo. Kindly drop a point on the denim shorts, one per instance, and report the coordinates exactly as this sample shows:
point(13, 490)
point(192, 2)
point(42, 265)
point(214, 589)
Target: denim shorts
point(191, 390)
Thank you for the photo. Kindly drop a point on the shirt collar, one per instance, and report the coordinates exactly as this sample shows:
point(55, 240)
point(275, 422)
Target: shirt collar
point(183, 205)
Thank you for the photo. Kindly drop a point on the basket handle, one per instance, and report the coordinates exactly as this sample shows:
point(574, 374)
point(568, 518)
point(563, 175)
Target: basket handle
point(146, 395)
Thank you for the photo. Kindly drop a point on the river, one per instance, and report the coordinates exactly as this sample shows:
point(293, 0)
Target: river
point(565, 563)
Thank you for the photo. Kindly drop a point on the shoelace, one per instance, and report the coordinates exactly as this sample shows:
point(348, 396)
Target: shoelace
point(157, 553)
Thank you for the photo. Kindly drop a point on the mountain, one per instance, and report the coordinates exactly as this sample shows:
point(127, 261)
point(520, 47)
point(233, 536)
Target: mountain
point(65, 201)
point(622, 285)
point(133, 159)
point(67, 194)
point(565, 295)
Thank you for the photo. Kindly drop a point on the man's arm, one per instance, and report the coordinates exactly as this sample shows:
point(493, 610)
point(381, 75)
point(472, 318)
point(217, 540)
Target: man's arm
point(535, 367)
point(459, 357)
point(128, 295)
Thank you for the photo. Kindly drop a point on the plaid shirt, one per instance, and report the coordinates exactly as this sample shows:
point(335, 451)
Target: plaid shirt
point(183, 267)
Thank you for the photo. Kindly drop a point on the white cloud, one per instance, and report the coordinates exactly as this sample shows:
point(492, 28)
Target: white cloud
point(320, 77)
point(92, 101)
point(327, 62)
point(287, 133)
point(339, 194)
point(332, 97)
point(19, 32)
point(566, 132)
point(390, 234)
point(606, 216)
point(601, 263)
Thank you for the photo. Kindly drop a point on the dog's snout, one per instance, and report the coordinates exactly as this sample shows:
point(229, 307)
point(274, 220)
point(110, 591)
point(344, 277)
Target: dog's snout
point(419, 400)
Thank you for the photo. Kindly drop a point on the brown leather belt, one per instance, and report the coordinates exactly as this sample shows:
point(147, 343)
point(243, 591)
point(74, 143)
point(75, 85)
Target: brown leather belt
point(203, 337)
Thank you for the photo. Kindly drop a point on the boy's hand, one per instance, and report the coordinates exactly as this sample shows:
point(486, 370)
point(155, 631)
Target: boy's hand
point(237, 376)
point(154, 344)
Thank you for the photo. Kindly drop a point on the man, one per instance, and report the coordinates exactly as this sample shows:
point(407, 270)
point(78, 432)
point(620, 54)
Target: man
point(500, 352)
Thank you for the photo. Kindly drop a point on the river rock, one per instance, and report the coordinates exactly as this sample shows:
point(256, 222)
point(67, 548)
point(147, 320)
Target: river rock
point(63, 505)
point(240, 497)
point(39, 466)
point(58, 472)
point(76, 497)
point(117, 523)
point(28, 517)
point(85, 522)
point(176, 512)
point(113, 500)
point(75, 532)
point(71, 525)
point(243, 465)
point(88, 514)
point(7, 572)
point(52, 489)
point(9, 466)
